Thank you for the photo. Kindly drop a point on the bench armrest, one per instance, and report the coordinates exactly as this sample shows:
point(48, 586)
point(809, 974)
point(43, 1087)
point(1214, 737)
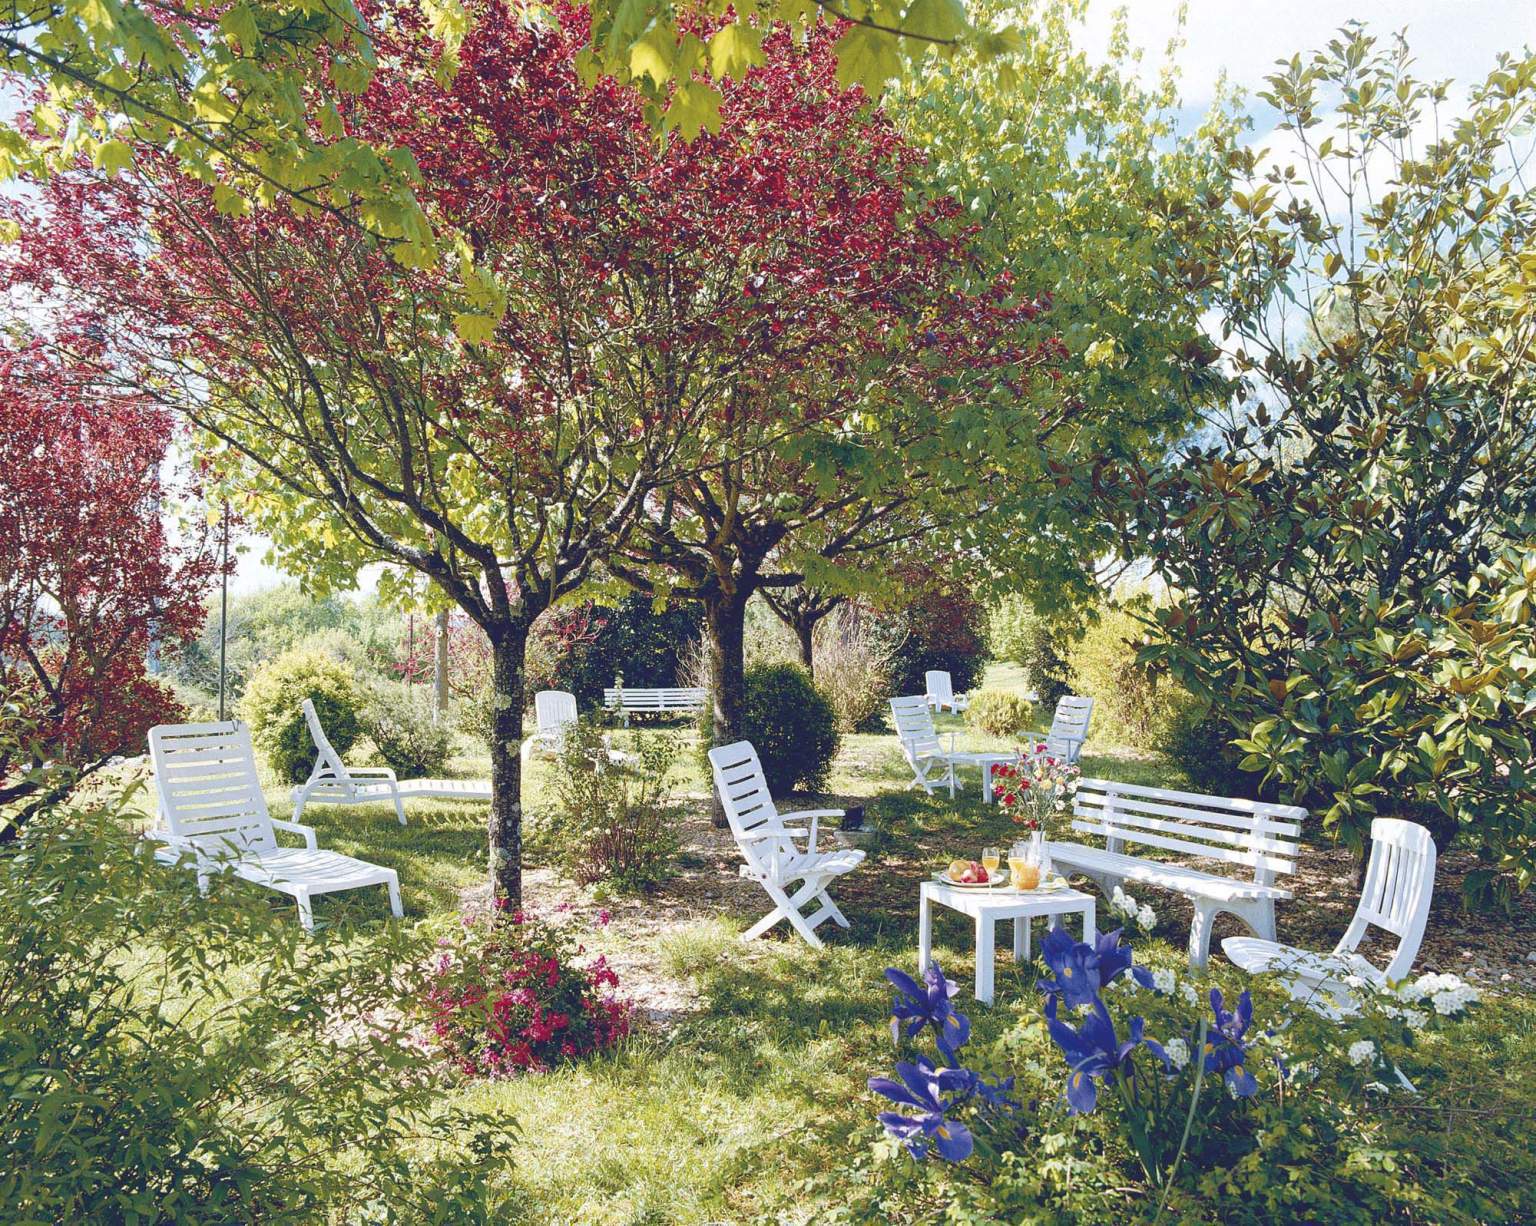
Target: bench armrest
point(296, 828)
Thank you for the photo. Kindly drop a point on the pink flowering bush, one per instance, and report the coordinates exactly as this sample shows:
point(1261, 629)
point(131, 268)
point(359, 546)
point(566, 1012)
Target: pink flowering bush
point(515, 994)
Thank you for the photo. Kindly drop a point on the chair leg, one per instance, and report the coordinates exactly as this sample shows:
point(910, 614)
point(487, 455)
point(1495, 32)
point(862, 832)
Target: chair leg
point(838, 917)
point(399, 807)
point(306, 911)
point(394, 896)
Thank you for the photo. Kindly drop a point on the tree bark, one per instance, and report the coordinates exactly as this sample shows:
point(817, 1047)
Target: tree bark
point(805, 631)
point(440, 670)
point(725, 625)
point(505, 826)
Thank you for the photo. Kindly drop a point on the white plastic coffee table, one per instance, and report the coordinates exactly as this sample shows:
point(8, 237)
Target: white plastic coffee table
point(987, 762)
point(988, 906)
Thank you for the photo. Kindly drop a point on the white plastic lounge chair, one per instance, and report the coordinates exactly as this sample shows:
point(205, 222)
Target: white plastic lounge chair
point(767, 843)
point(1069, 728)
point(1399, 884)
point(941, 692)
point(213, 811)
point(932, 762)
point(553, 711)
point(333, 782)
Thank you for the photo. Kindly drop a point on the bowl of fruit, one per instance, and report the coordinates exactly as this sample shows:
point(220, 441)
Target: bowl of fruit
point(971, 874)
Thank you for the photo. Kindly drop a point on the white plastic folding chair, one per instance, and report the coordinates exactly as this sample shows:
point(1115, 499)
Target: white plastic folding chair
point(767, 844)
point(1069, 728)
point(941, 692)
point(214, 813)
point(932, 762)
point(333, 782)
point(553, 711)
point(1399, 885)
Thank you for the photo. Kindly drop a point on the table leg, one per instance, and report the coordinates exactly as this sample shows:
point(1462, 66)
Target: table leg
point(1090, 931)
point(986, 930)
point(924, 932)
point(986, 782)
point(1021, 939)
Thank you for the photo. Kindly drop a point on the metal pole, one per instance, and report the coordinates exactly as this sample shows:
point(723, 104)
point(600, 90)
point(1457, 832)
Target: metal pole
point(223, 610)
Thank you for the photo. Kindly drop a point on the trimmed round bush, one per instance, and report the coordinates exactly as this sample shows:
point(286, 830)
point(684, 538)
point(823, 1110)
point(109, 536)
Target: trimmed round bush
point(399, 723)
point(792, 725)
point(271, 707)
point(999, 713)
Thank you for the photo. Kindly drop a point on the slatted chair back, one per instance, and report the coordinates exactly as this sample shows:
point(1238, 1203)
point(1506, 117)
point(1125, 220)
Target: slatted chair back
point(914, 725)
point(748, 805)
point(1250, 834)
point(208, 790)
point(1399, 884)
point(328, 763)
point(1069, 726)
point(554, 710)
point(941, 687)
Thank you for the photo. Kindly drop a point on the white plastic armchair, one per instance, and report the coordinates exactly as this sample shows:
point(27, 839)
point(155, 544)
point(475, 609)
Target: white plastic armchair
point(941, 692)
point(767, 841)
point(553, 711)
point(214, 815)
point(1399, 886)
point(931, 760)
point(1069, 728)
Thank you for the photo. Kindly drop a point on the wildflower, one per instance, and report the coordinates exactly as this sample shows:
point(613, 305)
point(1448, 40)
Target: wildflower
point(1095, 1052)
point(1226, 1049)
point(1178, 1053)
point(923, 1086)
point(1146, 917)
point(1188, 994)
point(1362, 1051)
point(603, 917)
point(1163, 981)
point(927, 1004)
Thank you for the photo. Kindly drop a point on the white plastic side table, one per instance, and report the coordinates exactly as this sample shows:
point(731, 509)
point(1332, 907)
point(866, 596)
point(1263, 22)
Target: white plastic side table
point(988, 906)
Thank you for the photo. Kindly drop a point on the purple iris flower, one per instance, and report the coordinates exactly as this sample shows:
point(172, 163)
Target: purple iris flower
point(1226, 1049)
point(1094, 1052)
point(923, 1086)
point(927, 1004)
point(1081, 970)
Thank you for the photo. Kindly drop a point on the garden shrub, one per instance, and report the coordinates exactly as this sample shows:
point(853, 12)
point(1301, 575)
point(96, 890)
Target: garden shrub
point(614, 823)
point(853, 670)
point(1038, 644)
point(934, 629)
point(511, 995)
point(999, 713)
point(581, 648)
point(792, 726)
point(271, 706)
point(1199, 743)
point(1133, 705)
point(169, 1057)
point(398, 720)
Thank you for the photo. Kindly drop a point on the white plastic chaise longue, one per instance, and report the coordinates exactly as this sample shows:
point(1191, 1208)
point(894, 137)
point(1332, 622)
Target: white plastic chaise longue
point(213, 811)
point(333, 782)
point(767, 843)
point(1399, 884)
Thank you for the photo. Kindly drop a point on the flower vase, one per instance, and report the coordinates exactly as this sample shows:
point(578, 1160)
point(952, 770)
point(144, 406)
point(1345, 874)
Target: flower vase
point(1038, 854)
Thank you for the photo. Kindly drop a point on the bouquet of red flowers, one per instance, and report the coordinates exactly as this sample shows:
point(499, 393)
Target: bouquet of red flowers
point(1038, 785)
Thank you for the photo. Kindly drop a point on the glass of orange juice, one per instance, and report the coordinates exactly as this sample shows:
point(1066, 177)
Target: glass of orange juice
point(990, 859)
point(1023, 869)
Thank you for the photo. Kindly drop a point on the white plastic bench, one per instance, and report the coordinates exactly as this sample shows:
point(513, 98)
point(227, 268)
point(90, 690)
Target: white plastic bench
point(679, 699)
point(333, 782)
point(1251, 835)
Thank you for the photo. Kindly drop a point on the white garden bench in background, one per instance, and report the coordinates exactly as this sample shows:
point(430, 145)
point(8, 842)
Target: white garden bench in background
point(213, 812)
point(674, 700)
point(1249, 835)
point(1399, 885)
point(766, 840)
point(333, 782)
point(941, 692)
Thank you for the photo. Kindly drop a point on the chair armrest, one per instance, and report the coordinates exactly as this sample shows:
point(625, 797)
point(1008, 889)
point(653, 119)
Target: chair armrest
point(772, 832)
point(814, 815)
point(371, 772)
point(296, 828)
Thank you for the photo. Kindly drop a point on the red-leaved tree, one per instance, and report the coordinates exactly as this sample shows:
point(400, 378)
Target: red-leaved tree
point(89, 579)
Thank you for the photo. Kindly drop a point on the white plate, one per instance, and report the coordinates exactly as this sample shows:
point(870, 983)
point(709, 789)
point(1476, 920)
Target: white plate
point(1050, 887)
point(998, 878)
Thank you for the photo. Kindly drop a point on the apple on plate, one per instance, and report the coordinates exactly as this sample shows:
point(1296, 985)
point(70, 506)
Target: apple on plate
point(968, 872)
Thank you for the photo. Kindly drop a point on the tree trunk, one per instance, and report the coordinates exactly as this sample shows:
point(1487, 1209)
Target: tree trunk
point(805, 630)
point(440, 670)
point(725, 625)
point(505, 827)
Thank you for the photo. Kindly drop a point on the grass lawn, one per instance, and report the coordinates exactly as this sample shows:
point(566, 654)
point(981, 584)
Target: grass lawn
point(741, 1095)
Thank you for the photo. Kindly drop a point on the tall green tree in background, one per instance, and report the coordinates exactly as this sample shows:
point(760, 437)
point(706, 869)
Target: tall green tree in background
point(1353, 558)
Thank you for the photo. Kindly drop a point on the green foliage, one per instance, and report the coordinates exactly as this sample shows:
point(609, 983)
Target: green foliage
point(614, 822)
point(582, 648)
point(1132, 704)
point(1351, 560)
point(166, 1057)
point(1198, 740)
point(999, 713)
point(792, 726)
point(271, 707)
point(1036, 643)
point(398, 720)
point(931, 628)
point(853, 669)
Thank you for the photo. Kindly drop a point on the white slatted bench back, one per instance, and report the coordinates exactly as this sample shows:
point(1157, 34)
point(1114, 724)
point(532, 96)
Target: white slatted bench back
point(205, 778)
point(1399, 884)
point(914, 725)
point(676, 698)
point(1251, 834)
point(941, 686)
point(554, 710)
point(1070, 723)
point(748, 805)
